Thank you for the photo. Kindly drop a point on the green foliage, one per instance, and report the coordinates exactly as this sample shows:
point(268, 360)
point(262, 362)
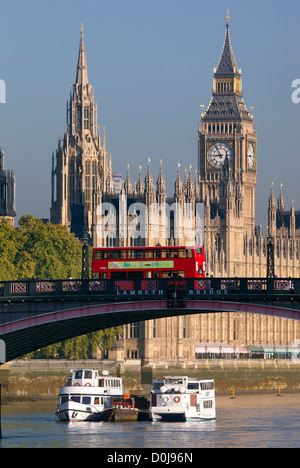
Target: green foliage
point(38, 250)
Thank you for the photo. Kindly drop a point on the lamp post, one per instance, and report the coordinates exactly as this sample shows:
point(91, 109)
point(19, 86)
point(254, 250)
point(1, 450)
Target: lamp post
point(270, 257)
point(85, 259)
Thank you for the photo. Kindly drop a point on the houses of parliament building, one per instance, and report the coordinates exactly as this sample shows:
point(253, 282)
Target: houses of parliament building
point(224, 183)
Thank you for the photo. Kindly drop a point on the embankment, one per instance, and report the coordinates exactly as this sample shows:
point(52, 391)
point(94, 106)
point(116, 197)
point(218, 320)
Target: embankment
point(41, 379)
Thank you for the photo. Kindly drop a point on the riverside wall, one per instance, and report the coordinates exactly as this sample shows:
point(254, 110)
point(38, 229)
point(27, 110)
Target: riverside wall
point(40, 379)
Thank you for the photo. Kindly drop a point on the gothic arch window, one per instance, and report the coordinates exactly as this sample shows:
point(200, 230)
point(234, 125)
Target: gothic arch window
point(284, 248)
point(86, 118)
point(79, 118)
point(278, 248)
point(72, 181)
point(250, 246)
point(87, 180)
point(218, 244)
point(291, 250)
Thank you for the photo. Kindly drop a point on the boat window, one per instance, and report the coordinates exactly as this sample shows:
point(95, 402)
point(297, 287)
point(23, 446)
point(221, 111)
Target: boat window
point(207, 385)
point(64, 399)
point(157, 385)
point(193, 386)
point(88, 374)
point(174, 381)
point(75, 398)
point(78, 374)
point(86, 400)
point(101, 383)
point(208, 404)
point(69, 382)
point(97, 401)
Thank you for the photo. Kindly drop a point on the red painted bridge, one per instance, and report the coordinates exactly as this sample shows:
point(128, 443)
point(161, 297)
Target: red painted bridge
point(35, 314)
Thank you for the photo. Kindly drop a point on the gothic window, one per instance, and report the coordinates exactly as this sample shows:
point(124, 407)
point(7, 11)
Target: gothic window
point(78, 120)
point(134, 331)
point(218, 244)
point(278, 249)
point(72, 181)
point(86, 119)
point(87, 181)
point(154, 328)
point(94, 168)
point(291, 250)
point(184, 327)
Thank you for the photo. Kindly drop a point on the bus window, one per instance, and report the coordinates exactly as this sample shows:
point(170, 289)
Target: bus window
point(189, 253)
point(199, 251)
point(101, 254)
point(149, 253)
point(169, 253)
point(181, 274)
point(169, 274)
point(139, 254)
point(135, 253)
point(135, 274)
point(115, 254)
point(118, 275)
point(181, 253)
point(173, 253)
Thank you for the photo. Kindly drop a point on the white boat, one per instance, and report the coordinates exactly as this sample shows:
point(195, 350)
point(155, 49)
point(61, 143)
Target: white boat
point(182, 399)
point(86, 395)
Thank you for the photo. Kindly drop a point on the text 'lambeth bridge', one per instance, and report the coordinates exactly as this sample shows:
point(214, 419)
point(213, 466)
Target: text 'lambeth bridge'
point(35, 314)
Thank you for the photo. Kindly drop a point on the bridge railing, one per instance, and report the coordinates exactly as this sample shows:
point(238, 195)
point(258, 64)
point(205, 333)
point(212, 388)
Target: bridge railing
point(188, 287)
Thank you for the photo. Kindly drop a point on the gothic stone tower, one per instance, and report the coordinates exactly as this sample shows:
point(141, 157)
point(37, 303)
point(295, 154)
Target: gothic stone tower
point(227, 152)
point(7, 191)
point(80, 167)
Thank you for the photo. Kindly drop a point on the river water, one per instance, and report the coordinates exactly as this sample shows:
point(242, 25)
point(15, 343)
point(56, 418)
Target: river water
point(247, 421)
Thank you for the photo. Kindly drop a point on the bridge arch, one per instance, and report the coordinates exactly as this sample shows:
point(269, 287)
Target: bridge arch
point(32, 333)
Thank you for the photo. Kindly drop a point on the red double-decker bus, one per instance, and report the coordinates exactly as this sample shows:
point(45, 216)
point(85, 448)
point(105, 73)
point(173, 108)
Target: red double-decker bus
point(148, 262)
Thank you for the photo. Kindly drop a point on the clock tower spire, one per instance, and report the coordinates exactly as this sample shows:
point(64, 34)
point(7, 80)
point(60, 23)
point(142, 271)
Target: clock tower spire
point(227, 142)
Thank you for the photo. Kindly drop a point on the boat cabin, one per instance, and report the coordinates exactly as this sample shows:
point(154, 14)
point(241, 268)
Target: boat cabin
point(91, 378)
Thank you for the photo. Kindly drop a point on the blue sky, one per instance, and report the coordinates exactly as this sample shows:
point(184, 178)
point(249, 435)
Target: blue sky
point(151, 63)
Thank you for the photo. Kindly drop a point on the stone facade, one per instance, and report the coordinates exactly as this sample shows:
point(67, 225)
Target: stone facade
point(82, 181)
point(7, 191)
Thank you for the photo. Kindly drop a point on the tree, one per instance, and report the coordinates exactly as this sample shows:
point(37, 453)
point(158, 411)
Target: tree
point(38, 250)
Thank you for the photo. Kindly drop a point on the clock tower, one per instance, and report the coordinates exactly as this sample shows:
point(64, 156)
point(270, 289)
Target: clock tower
point(227, 161)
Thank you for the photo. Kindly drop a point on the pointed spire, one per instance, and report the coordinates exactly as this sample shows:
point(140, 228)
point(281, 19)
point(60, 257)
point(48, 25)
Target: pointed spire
point(82, 76)
point(149, 184)
point(281, 200)
point(161, 186)
point(140, 188)
point(128, 184)
point(161, 183)
point(227, 64)
point(178, 185)
point(272, 201)
point(190, 186)
point(110, 180)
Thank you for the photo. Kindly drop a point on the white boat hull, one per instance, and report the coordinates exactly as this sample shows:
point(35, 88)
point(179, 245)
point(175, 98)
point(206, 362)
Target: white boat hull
point(162, 414)
point(71, 411)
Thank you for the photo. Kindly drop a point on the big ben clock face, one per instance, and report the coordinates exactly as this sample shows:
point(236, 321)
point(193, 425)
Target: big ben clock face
point(250, 156)
point(217, 154)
